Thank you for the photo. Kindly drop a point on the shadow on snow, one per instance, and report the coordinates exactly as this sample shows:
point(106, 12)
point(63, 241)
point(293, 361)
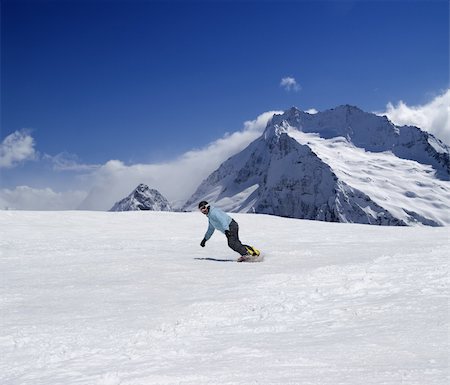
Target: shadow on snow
point(215, 259)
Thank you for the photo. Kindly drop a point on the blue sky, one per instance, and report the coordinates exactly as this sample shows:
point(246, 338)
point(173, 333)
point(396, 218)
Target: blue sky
point(146, 81)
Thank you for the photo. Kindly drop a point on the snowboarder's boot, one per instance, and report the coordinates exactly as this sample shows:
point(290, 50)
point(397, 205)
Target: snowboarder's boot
point(253, 255)
point(252, 251)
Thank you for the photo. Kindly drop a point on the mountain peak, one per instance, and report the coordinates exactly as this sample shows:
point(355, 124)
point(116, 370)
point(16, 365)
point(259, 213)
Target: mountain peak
point(348, 108)
point(292, 115)
point(281, 123)
point(143, 198)
point(142, 187)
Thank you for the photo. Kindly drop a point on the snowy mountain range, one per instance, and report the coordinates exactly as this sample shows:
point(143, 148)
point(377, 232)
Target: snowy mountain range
point(143, 198)
point(340, 165)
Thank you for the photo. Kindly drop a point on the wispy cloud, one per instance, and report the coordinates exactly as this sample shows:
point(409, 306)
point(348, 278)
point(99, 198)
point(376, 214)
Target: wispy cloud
point(290, 84)
point(433, 116)
point(65, 161)
point(16, 148)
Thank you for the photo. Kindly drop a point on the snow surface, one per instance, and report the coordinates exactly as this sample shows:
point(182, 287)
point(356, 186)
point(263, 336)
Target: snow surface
point(103, 298)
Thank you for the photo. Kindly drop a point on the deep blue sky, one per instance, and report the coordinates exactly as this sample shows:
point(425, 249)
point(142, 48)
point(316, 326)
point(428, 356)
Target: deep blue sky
point(144, 81)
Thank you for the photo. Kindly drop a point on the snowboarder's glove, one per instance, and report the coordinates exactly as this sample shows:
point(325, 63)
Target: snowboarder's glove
point(227, 233)
point(203, 242)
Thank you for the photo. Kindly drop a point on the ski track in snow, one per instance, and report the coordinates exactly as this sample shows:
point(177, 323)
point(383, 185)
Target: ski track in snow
point(126, 299)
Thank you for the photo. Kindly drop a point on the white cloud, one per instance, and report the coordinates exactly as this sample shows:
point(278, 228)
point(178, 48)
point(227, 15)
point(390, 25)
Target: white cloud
point(260, 123)
point(15, 148)
point(27, 198)
point(290, 84)
point(433, 117)
point(65, 161)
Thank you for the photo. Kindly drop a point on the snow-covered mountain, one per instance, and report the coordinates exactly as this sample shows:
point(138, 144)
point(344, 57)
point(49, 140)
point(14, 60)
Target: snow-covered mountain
point(143, 198)
point(341, 165)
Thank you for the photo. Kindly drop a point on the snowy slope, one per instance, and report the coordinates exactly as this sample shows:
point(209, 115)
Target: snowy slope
point(143, 198)
point(342, 165)
point(405, 188)
point(372, 133)
point(89, 298)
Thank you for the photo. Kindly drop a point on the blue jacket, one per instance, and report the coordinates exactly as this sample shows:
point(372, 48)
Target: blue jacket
point(218, 220)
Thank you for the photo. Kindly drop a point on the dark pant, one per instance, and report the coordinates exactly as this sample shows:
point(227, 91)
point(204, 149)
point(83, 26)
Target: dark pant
point(233, 239)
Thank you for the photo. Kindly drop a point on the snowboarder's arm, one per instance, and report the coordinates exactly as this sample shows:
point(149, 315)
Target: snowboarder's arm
point(209, 232)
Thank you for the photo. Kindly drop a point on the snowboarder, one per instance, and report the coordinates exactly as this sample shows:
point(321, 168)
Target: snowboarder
point(218, 220)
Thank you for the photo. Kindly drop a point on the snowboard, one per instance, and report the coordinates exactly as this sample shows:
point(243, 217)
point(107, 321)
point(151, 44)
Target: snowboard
point(254, 255)
point(251, 258)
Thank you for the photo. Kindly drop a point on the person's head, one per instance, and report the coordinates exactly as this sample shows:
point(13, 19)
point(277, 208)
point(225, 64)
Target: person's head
point(203, 206)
